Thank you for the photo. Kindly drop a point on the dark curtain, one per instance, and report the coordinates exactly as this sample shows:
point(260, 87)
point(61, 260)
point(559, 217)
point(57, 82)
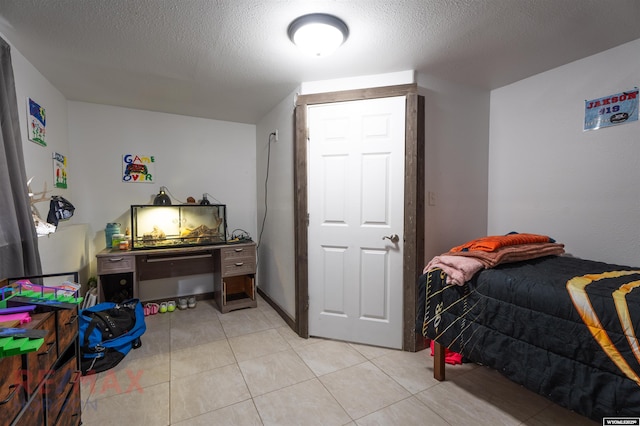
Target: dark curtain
point(19, 254)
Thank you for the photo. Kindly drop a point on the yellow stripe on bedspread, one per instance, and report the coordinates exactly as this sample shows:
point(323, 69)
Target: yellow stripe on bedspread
point(577, 290)
point(620, 299)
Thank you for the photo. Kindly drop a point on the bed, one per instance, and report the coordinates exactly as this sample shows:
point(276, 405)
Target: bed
point(560, 326)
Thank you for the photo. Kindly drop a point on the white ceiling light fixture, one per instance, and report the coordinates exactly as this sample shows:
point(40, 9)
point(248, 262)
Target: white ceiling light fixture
point(318, 34)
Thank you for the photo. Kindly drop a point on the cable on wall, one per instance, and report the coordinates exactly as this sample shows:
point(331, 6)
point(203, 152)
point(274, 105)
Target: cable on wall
point(266, 181)
point(214, 198)
point(172, 196)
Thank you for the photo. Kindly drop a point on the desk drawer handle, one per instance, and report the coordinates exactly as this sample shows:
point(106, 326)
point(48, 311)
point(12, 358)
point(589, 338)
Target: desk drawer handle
point(239, 263)
point(116, 259)
point(238, 250)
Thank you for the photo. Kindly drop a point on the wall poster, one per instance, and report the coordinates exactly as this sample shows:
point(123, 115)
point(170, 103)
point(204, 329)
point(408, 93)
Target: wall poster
point(59, 170)
point(138, 168)
point(36, 122)
point(611, 110)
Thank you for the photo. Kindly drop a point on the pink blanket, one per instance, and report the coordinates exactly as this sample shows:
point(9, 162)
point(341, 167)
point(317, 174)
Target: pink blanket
point(459, 269)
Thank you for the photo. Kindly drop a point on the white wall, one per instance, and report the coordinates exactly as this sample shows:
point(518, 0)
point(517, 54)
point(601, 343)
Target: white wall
point(359, 82)
point(457, 145)
point(546, 175)
point(457, 140)
point(276, 252)
point(192, 155)
point(67, 249)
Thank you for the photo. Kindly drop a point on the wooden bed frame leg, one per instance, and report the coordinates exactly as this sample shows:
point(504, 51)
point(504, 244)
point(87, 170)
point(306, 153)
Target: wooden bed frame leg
point(438, 361)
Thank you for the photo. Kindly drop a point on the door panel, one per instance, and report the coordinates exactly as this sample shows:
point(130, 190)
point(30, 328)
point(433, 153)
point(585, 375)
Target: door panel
point(355, 198)
point(334, 264)
point(374, 285)
point(375, 191)
point(336, 176)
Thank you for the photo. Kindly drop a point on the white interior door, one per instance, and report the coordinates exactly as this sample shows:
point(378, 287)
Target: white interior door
point(355, 199)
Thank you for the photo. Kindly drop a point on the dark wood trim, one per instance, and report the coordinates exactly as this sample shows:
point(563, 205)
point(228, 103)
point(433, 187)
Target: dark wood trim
point(300, 219)
point(290, 321)
point(357, 94)
point(414, 191)
point(413, 217)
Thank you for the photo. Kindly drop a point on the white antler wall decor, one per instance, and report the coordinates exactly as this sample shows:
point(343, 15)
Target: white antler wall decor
point(42, 227)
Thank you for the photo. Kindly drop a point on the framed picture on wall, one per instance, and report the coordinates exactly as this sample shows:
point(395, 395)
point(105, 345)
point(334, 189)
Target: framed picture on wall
point(59, 170)
point(138, 168)
point(36, 122)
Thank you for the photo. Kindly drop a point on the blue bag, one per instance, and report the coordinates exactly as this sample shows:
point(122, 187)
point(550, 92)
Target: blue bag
point(107, 332)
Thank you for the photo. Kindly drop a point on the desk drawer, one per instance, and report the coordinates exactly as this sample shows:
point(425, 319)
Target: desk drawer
point(231, 254)
point(115, 264)
point(239, 267)
point(238, 260)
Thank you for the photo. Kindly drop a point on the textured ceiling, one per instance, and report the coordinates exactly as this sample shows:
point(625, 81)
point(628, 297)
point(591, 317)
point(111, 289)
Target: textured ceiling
point(231, 59)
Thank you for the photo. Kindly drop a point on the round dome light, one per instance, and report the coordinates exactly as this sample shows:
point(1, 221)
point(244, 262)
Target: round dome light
point(318, 34)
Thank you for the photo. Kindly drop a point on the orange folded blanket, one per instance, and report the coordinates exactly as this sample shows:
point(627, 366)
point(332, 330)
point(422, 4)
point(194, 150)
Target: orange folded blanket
point(510, 254)
point(494, 242)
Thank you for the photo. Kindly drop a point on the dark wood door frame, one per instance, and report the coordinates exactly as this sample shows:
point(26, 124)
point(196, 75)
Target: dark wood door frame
point(413, 254)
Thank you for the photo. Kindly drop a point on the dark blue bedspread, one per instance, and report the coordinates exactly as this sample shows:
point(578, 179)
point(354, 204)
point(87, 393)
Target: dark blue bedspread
point(573, 343)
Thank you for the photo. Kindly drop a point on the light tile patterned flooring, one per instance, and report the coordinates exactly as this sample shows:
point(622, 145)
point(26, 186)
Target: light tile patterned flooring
point(247, 367)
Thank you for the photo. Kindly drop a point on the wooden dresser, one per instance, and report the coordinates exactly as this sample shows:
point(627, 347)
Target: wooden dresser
point(43, 387)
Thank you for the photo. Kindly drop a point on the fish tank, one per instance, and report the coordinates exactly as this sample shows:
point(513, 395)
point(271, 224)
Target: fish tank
point(185, 225)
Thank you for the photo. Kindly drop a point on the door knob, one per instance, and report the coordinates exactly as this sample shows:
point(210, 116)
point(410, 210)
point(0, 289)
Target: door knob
point(393, 238)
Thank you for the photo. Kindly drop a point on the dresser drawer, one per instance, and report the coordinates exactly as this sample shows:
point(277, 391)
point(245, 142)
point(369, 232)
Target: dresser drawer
point(39, 363)
point(71, 410)
point(67, 327)
point(59, 387)
point(33, 413)
point(115, 264)
point(12, 394)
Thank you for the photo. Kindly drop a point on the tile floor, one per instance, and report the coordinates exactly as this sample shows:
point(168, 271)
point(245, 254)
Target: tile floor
point(201, 367)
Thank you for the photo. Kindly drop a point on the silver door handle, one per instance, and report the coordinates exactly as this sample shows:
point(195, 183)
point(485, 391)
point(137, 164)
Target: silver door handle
point(393, 238)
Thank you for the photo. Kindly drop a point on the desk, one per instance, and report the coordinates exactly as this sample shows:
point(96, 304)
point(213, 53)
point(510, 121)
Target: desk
point(233, 267)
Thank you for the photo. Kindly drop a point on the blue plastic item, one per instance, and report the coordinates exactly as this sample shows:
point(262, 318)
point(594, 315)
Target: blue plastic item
point(110, 230)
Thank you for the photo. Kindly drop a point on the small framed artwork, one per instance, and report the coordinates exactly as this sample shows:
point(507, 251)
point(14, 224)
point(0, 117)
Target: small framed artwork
point(59, 170)
point(37, 122)
point(138, 168)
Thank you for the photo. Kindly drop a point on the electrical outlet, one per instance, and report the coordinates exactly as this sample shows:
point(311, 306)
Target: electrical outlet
point(275, 137)
point(431, 198)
